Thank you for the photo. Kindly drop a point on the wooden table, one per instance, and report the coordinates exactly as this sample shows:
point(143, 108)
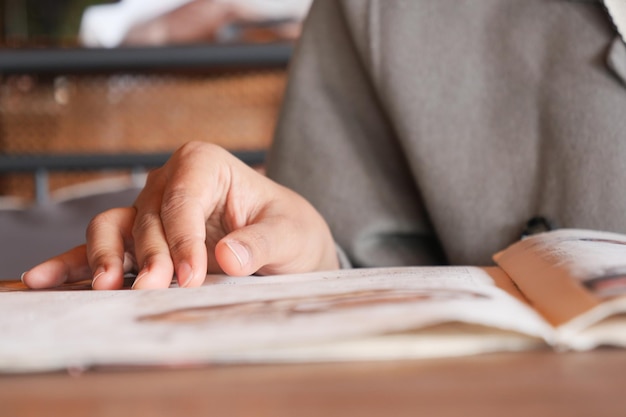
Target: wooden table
point(514, 384)
point(538, 383)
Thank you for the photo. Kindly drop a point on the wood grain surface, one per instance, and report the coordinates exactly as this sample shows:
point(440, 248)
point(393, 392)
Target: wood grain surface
point(541, 383)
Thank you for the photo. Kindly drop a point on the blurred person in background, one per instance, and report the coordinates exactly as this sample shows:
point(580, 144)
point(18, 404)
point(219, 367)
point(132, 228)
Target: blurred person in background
point(166, 22)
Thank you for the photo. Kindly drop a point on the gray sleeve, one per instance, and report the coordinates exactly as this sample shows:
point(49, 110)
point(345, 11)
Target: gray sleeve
point(335, 146)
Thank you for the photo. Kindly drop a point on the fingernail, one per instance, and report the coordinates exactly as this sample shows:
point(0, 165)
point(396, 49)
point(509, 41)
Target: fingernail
point(184, 274)
point(240, 251)
point(98, 274)
point(22, 277)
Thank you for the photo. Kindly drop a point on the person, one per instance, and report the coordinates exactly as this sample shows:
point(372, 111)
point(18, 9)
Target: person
point(412, 133)
point(170, 22)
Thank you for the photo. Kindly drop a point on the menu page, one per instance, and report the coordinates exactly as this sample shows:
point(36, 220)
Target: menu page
point(290, 317)
point(573, 277)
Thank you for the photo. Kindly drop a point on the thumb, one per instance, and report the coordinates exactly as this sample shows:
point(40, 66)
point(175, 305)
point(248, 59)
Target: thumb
point(260, 247)
point(246, 250)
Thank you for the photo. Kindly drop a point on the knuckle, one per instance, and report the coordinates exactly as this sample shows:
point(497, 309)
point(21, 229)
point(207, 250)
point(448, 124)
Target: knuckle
point(197, 151)
point(180, 244)
point(190, 147)
point(194, 147)
point(102, 256)
point(154, 182)
point(153, 176)
point(150, 254)
point(101, 221)
point(144, 222)
point(175, 202)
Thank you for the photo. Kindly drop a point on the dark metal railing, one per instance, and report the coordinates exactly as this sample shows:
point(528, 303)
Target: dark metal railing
point(189, 57)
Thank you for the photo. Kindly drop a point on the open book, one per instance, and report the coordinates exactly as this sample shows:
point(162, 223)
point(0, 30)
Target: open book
point(565, 289)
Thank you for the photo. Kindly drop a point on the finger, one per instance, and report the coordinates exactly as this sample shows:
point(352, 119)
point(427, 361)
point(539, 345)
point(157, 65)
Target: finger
point(108, 237)
point(183, 220)
point(70, 266)
point(269, 247)
point(189, 198)
point(151, 248)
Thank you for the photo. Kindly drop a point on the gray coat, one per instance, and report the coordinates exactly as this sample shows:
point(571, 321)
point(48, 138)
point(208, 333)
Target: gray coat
point(430, 131)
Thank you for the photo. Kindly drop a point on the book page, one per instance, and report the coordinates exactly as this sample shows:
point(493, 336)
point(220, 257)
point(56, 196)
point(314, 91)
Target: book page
point(336, 315)
point(574, 278)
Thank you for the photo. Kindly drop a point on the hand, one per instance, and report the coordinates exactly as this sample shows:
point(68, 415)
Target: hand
point(203, 211)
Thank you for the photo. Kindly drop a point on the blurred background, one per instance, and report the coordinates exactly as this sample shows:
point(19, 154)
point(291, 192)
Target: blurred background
point(94, 93)
point(124, 106)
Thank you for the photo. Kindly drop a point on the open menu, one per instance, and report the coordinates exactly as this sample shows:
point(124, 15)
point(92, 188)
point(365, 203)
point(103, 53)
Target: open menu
point(564, 289)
